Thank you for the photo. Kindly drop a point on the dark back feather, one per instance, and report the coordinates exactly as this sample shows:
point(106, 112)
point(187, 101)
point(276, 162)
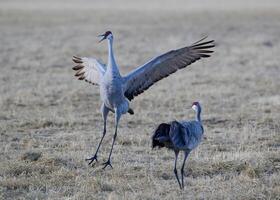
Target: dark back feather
point(161, 135)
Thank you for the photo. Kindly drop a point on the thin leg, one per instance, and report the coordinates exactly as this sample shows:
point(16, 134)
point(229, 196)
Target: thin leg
point(175, 168)
point(117, 118)
point(182, 169)
point(105, 112)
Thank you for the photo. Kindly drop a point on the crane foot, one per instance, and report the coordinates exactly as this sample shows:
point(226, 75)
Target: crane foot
point(108, 163)
point(92, 159)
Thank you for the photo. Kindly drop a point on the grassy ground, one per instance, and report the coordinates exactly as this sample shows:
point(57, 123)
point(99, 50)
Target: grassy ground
point(50, 122)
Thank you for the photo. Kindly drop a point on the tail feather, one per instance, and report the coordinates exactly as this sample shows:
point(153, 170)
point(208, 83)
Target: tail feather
point(160, 135)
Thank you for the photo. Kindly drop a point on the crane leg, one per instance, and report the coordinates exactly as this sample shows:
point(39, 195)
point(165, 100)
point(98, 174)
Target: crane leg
point(175, 168)
point(117, 118)
point(105, 112)
point(183, 165)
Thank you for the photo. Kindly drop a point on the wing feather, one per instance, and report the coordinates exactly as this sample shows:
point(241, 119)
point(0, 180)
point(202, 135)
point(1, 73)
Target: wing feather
point(139, 80)
point(186, 134)
point(89, 69)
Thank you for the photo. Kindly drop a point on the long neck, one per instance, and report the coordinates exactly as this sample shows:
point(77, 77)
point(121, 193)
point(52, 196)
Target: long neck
point(111, 59)
point(197, 117)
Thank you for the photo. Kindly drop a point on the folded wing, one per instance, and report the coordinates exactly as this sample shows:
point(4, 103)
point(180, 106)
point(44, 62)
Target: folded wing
point(89, 69)
point(162, 66)
point(186, 134)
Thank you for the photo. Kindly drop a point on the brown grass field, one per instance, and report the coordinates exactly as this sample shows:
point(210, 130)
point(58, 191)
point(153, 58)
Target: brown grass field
point(50, 122)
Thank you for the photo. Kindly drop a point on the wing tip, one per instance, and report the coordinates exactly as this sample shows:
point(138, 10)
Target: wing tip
point(200, 42)
point(79, 73)
point(203, 48)
point(77, 67)
point(81, 77)
point(203, 38)
point(77, 59)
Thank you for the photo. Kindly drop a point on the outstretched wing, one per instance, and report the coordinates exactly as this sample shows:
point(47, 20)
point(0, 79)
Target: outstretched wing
point(89, 69)
point(162, 66)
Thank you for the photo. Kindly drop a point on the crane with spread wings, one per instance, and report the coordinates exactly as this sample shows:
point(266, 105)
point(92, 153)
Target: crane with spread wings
point(117, 91)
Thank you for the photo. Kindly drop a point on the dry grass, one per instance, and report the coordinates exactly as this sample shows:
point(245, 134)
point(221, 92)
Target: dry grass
point(50, 122)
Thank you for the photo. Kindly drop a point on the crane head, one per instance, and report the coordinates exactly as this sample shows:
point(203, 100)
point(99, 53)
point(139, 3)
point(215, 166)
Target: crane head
point(106, 35)
point(196, 106)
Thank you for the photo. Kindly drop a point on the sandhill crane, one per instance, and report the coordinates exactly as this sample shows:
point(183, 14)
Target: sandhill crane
point(180, 136)
point(116, 91)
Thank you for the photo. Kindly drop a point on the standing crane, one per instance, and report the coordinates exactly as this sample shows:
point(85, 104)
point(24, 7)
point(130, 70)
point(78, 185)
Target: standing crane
point(116, 91)
point(180, 136)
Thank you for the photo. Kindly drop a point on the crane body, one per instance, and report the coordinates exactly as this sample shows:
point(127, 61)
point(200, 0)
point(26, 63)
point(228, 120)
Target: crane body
point(180, 136)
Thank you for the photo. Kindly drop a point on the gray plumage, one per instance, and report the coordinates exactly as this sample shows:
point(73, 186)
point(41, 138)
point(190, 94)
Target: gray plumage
point(116, 91)
point(180, 136)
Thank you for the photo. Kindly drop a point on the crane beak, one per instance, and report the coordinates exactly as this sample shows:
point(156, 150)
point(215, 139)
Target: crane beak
point(102, 37)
